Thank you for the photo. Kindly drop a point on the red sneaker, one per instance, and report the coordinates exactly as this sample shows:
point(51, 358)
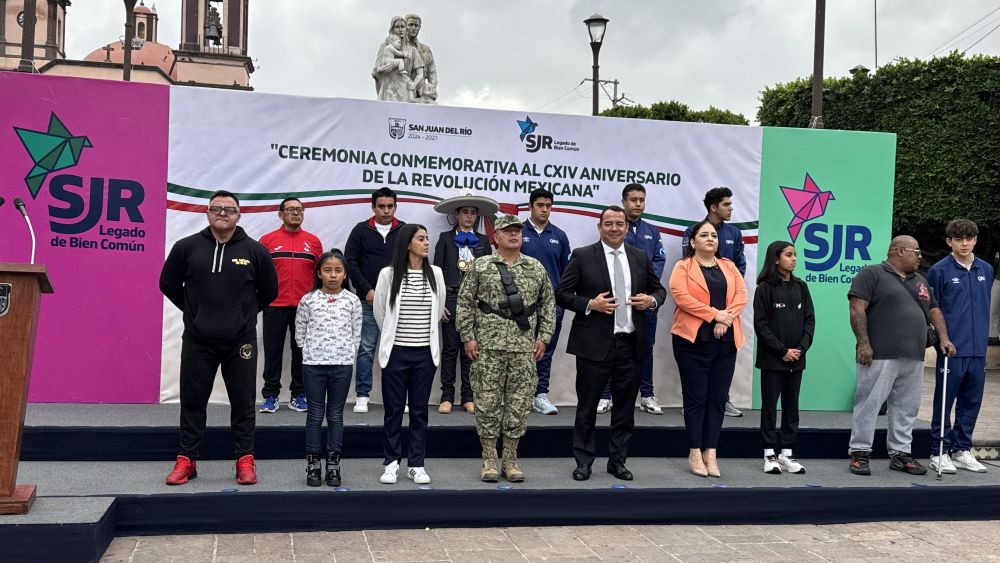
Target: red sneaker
point(184, 471)
point(246, 472)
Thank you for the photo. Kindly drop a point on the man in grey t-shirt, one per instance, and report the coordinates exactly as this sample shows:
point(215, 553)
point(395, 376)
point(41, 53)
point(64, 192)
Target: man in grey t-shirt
point(890, 307)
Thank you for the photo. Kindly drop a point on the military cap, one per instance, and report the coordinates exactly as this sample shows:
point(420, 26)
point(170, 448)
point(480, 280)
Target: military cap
point(507, 221)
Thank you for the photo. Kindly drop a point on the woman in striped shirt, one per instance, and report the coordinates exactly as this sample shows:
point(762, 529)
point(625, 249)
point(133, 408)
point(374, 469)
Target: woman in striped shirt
point(409, 302)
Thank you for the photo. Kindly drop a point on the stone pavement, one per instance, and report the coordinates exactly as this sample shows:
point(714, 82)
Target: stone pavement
point(882, 541)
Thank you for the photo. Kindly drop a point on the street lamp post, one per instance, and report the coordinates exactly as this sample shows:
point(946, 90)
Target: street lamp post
point(816, 121)
point(596, 26)
point(129, 27)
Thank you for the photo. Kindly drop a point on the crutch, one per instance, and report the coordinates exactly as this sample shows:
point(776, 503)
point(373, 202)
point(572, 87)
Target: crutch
point(944, 400)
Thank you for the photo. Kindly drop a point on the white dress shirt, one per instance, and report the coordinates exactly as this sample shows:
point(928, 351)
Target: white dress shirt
point(623, 258)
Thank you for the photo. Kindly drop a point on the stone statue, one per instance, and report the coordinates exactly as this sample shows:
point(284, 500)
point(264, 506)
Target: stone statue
point(426, 91)
point(399, 69)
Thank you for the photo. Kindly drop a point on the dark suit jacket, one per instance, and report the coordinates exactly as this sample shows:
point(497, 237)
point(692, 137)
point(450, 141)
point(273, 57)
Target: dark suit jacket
point(586, 277)
point(446, 257)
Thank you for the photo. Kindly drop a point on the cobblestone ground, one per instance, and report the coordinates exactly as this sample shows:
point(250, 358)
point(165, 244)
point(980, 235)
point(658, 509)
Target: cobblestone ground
point(882, 541)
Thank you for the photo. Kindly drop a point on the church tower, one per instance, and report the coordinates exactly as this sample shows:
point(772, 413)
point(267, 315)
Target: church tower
point(146, 21)
point(213, 47)
point(50, 31)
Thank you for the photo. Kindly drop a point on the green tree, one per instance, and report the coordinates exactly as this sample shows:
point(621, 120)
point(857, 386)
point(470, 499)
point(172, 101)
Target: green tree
point(945, 113)
point(677, 111)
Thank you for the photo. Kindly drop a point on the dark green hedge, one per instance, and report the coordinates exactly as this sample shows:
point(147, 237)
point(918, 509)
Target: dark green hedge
point(677, 111)
point(946, 115)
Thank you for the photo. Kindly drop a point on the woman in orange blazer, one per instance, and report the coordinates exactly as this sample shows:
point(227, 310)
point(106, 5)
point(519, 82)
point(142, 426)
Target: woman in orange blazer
point(710, 294)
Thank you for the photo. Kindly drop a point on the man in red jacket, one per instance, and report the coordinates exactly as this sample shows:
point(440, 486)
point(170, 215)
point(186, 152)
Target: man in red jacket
point(294, 252)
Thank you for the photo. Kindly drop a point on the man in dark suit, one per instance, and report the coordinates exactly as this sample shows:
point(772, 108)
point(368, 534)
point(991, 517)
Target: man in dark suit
point(454, 253)
point(607, 284)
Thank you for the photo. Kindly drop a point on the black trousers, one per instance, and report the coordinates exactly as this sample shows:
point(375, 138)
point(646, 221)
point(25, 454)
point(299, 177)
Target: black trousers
point(706, 369)
point(619, 369)
point(199, 363)
point(786, 385)
point(451, 350)
point(409, 375)
point(279, 321)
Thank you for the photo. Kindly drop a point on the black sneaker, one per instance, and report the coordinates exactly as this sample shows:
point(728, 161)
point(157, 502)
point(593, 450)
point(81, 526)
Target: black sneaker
point(903, 461)
point(859, 463)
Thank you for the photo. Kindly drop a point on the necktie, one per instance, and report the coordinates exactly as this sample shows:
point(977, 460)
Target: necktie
point(621, 315)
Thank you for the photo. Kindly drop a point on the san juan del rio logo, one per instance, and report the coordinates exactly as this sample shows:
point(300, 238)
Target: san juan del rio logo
point(827, 245)
point(57, 149)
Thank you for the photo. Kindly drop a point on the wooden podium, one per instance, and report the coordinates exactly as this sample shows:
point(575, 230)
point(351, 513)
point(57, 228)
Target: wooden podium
point(20, 288)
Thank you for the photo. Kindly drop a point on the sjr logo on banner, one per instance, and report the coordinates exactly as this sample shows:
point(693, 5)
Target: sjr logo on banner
point(535, 143)
point(827, 245)
point(57, 149)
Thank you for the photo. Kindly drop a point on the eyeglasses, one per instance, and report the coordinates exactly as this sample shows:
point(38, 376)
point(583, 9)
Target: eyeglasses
point(294, 210)
point(220, 210)
point(913, 250)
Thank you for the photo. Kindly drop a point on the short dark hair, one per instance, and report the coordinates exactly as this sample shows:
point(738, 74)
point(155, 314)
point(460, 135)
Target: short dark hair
point(613, 209)
point(383, 192)
point(632, 188)
point(223, 193)
point(540, 192)
point(715, 196)
point(961, 228)
point(281, 206)
point(688, 248)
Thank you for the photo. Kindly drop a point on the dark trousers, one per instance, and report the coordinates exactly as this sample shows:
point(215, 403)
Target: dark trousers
point(326, 393)
point(618, 370)
point(646, 366)
point(544, 366)
point(409, 373)
point(784, 384)
point(966, 380)
point(451, 350)
point(279, 321)
point(199, 363)
point(706, 370)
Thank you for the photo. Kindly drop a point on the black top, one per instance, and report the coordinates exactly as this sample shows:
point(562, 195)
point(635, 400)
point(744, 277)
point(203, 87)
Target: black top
point(220, 287)
point(783, 318)
point(366, 253)
point(446, 257)
point(897, 326)
point(717, 287)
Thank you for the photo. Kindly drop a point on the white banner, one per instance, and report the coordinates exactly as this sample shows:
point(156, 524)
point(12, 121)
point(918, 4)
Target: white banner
point(332, 153)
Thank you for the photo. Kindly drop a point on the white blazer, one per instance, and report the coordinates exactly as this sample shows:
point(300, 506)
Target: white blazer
point(387, 317)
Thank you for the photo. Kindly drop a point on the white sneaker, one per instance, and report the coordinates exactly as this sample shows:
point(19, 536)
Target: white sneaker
point(965, 460)
point(603, 406)
point(418, 475)
point(946, 465)
point(771, 465)
point(543, 405)
point(650, 405)
point(361, 405)
point(389, 475)
point(406, 409)
point(789, 464)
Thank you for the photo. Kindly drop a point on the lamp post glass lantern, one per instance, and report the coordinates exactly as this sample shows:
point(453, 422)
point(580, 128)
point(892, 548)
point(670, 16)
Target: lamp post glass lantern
point(596, 26)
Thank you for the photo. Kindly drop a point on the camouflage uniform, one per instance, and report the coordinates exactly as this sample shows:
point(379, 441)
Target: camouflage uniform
point(504, 377)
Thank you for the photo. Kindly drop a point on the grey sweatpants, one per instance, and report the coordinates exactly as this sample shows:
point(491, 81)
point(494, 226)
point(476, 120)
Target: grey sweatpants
point(897, 380)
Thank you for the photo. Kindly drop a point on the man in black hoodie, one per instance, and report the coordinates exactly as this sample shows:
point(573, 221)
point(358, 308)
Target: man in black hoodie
point(368, 250)
point(219, 278)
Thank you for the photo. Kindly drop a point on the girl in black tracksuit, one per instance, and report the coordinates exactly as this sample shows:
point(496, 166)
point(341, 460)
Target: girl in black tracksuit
point(783, 320)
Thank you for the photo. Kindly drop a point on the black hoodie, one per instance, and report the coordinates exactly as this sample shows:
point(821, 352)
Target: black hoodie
point(783, 318)
point(219, 287)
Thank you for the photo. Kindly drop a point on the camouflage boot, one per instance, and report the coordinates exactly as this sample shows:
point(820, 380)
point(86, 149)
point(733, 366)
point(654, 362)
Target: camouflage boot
point(511, 471)
point(489, 474)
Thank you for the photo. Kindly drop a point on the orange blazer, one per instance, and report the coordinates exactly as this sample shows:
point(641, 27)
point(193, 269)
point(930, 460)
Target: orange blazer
point(690, 293)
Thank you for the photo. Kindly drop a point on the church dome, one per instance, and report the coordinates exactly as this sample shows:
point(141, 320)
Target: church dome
point(151, 54)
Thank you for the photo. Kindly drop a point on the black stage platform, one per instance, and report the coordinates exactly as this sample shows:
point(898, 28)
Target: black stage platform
point(100, 469)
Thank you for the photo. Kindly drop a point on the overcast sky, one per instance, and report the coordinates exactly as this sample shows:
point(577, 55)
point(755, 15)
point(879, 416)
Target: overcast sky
point(532, 56)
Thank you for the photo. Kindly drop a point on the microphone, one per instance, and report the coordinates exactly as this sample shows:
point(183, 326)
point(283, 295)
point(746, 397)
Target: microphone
point(19, 204)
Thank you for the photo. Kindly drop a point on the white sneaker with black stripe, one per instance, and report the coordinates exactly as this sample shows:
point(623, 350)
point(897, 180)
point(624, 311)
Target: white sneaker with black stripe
point(771, 465)
point(789, 464)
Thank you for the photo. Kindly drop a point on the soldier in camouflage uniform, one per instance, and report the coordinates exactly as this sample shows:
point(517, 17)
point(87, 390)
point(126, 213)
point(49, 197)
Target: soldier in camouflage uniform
point(504, 339)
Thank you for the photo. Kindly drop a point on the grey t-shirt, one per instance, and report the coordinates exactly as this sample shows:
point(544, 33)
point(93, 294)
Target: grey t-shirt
point(897, 327)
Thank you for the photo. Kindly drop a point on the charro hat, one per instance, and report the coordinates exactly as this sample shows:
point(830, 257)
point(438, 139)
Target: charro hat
point(467, 198)
point(507, 221)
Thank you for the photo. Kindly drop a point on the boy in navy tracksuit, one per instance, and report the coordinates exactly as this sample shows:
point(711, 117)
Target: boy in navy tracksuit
point(548, 244)
point(962, 284)
point(646, 238)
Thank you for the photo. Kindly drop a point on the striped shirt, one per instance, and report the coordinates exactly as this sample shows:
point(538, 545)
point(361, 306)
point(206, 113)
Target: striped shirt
point(414, 302)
